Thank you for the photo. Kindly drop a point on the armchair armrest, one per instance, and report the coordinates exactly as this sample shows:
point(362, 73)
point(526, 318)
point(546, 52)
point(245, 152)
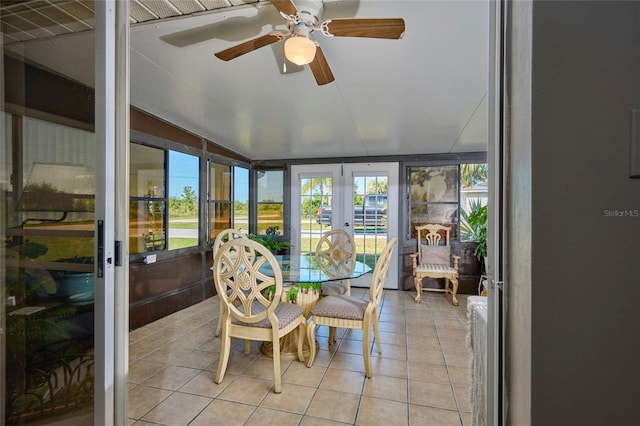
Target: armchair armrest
point(456, 259)
point(414, 258)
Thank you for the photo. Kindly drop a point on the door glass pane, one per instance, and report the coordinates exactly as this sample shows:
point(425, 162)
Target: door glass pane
point(49, 284)
point(369, 216)
point(315, 210)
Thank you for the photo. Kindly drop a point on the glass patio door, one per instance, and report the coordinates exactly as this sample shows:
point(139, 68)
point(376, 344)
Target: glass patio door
point(58, 205)
point(360, 198)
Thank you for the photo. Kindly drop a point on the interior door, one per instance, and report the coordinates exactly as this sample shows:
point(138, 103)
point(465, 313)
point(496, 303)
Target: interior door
point(361, 198)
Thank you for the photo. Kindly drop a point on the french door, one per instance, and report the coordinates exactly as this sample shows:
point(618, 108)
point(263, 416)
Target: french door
point(361, 198)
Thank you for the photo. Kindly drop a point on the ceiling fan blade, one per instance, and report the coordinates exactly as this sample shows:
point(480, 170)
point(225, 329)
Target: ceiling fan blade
point(320, 68)
point(285, 6)
point(392, 28)
point(248, 46)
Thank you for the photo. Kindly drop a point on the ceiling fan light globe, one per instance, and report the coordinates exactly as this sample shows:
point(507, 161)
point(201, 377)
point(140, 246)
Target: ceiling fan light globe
point(299, 50)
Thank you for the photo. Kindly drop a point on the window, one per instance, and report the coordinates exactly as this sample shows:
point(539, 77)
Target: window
point(241, 199)
point(183, 200)
point(220, 202)
point(270, 204)
point(433, 193)
point(147, 199)
point(162, 217)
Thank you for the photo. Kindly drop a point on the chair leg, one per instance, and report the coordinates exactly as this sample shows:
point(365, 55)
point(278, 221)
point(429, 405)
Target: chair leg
point(247, 347)
point(311, 338)
point(418, 283)
point(366, 351)
point(302, 335)
point(276, 363)
point(376, 331)
point(224, 358)
point(220, 315)
point(454, 300)
point(332, 335)
point(347, 284)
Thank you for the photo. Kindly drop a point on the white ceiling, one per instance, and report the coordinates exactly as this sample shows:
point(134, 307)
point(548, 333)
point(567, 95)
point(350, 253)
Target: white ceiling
point(425, 93)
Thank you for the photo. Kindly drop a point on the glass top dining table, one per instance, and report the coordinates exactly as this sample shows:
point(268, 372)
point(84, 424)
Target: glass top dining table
point(305, 269)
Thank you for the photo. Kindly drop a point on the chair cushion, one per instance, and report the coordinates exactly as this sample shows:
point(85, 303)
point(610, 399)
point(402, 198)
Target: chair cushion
point(286, 313)
point(333, 288)
point(342, 307)
point(437, 255)
point(435, 268)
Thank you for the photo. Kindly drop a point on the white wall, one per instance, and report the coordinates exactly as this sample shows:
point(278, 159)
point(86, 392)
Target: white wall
point(585, 262)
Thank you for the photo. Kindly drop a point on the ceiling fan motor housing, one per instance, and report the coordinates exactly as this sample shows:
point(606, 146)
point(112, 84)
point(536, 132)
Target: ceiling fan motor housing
point(310, 11)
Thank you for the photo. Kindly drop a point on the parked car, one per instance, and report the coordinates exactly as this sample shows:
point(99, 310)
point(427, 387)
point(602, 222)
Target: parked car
point(373, 212)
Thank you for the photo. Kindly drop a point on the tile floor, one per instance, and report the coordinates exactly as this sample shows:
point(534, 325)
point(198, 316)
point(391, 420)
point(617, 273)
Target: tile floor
point(421, 378)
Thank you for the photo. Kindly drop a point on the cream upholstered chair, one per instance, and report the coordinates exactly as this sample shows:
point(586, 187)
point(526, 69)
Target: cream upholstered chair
point(222, 237)
point(433, 260)
point(352, 312)
point(248, 314)
point(336, 255)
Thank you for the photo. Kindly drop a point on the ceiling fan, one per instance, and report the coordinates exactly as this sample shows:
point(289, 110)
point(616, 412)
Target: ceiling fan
point(302, 20)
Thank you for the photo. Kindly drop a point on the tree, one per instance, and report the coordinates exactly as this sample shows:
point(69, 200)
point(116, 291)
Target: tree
point(473, 174)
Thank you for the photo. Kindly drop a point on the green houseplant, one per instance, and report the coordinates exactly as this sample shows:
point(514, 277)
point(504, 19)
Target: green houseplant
point(270, 240)
point(473, 227)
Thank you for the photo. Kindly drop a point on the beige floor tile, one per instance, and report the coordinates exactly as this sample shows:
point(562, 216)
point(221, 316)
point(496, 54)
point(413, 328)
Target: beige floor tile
point(177, 410)
point(332, 405)
point(421, 377)
point(388, 367)
point(431, 394)
point(248, 390)
point(296, 399)
point(226, 413)
point(463, 398)
point(386, 387)
point(467, 419)
point(345, 361)
point(457, 358)
point(429, 416)
point(203, 384)
point(428, 372)
point(460, 376)
point(343, 381)
point(374, 411)
point(393, 338)
point(433, 356)
point(314, 421)
point(143, 398)
point(266, 417)
point(391, 351)
point(171, 377)
point(300, 374)
point(141, 370)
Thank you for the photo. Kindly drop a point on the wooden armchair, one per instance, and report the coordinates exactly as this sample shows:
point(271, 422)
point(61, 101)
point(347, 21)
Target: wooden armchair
point(434, 260)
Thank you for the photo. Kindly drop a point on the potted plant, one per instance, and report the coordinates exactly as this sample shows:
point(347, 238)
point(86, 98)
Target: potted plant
point(270, 240)
point(473, 227)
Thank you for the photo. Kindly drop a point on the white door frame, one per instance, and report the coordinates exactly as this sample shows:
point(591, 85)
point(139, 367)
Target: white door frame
point(111, 202)
point(342, 181)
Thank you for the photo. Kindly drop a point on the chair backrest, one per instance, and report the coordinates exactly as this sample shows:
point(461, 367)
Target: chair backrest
point(224, 236)
point(431, 235)
point(242, 276)
point(336, 253)
point(380, 271)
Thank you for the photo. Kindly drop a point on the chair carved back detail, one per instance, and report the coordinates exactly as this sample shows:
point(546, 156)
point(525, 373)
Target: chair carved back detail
point(223, 236)
point(336, 253)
